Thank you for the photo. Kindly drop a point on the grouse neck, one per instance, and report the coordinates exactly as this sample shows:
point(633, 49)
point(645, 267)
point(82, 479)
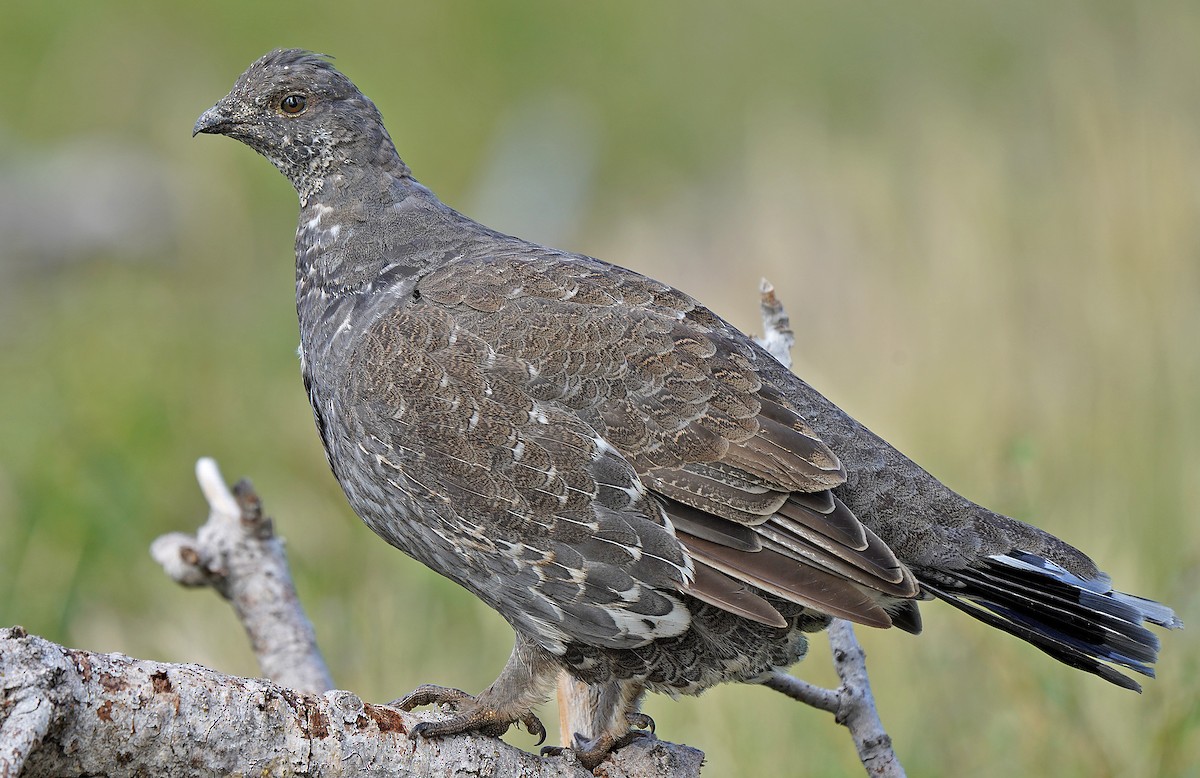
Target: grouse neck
point(351, 173)
point(336, 162)
point(343, 240)
point(351, 266)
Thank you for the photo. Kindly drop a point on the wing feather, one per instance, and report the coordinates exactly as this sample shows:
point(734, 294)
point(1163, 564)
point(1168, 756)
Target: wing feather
point(677, 414)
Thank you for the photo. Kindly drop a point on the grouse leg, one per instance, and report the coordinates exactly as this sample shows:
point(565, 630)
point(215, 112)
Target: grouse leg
point(609, 712)
point(522, 684)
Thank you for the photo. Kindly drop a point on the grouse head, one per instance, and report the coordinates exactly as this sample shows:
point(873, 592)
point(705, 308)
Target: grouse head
point(308, 119)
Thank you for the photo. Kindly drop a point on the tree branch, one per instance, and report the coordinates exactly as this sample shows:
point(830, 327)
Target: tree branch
point(77, 713)
point(852, 703)
point(778, 336)
point(237, 553)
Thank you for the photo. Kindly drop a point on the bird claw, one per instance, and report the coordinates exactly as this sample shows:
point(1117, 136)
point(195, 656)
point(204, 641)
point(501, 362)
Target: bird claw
point(640, 721)
point(534, 726)
point(591, 753)
point(470, 717)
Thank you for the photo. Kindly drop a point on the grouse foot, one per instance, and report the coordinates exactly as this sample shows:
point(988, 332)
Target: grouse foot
point(592, 752)
point(471, 717)
point(639, 720)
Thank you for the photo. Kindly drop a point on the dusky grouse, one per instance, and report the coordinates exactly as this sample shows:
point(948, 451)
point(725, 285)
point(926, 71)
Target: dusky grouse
point(650, 499)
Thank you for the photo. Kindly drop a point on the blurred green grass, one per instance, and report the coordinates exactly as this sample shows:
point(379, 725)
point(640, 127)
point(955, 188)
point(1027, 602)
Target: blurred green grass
point(982, 217)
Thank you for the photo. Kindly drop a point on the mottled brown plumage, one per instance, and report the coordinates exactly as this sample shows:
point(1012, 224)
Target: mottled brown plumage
point(651, 500)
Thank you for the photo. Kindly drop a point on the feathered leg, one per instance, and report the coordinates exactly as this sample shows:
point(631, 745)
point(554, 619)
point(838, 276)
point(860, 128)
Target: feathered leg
point(601, 718)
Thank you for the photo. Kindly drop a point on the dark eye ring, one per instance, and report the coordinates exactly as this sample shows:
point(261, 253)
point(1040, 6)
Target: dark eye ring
point(293, 104)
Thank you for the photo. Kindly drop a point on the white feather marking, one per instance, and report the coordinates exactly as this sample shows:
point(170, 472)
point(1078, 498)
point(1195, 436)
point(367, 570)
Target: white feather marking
point(319, 211)
point(648, 628)
point(591, 526)
point(603, 449)
point(633, 551)
point(689, 567)
point(631, 595)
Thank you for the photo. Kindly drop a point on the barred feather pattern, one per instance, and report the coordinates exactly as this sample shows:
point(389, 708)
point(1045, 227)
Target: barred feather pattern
point(649, 498)
point(558, 402)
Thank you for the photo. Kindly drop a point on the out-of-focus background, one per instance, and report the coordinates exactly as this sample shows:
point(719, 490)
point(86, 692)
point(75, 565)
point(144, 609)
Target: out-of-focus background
point(984, 219)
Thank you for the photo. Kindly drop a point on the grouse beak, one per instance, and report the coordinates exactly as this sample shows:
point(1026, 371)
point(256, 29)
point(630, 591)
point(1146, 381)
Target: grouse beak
point(214, 121)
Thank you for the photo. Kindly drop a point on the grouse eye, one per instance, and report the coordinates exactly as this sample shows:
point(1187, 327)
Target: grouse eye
point(293, 104)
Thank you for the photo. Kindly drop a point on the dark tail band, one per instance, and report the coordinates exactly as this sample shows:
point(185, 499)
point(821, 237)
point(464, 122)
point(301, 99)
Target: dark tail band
point(1083, 623)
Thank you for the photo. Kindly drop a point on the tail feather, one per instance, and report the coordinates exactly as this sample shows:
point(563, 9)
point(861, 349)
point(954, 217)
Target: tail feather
point(1081, 622)
point(1109, 627)
point(1154, 612)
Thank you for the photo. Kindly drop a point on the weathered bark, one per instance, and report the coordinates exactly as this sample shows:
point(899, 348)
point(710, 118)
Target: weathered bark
point(237, 553)
point(77, 713)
